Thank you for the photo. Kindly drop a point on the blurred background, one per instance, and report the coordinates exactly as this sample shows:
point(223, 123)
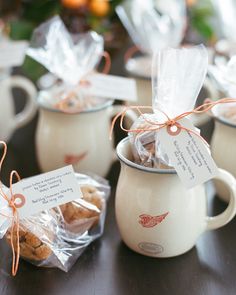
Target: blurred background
point(18, 18)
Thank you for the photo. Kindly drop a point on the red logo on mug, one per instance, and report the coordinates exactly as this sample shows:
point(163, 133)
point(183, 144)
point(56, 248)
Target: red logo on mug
point(151, 221)
point(74, 159)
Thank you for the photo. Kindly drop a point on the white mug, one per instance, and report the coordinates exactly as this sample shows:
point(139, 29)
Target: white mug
point(80, 139)
point(223, 146)
point(156, 215)
point(9, 121)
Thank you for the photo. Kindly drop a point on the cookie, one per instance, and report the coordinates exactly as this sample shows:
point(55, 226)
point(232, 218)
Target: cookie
point(144, 148)
point(93, 196)
point(85, 210)
point(31, 247)
point(74, 211)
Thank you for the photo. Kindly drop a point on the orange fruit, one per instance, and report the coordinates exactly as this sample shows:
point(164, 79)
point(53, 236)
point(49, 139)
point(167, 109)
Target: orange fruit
point(99, 8)
point(191, 3)
point(74, 4)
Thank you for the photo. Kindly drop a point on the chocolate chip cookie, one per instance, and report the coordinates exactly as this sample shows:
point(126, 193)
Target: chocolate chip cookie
point(31, 246)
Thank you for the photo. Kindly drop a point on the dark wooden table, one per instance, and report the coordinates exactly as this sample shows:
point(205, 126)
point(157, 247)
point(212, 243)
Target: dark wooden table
point(108, 267)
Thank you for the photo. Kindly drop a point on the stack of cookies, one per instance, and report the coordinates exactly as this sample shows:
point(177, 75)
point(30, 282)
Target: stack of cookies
point(45, 236)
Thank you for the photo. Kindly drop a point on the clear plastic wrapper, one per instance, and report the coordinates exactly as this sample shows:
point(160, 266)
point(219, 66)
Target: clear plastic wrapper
point(70, 59)
point(69, 98)
point(223, 75)
point(177, 78)
point(53, 46)
point(5, 211)
point(57, 237)
point(226, 11)
point(226, 14)
point(152, 24)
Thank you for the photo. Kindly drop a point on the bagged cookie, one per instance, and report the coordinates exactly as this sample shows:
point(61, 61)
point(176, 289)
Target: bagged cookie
point(37, 235)
point(70, 59)
point(58, 236)
point(153, 25)
point(177, 78)
point(82, 214)
point(87, 212)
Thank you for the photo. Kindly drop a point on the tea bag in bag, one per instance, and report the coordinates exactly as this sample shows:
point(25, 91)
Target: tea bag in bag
point(70, 59)
point(152, 24)
point(177, 78)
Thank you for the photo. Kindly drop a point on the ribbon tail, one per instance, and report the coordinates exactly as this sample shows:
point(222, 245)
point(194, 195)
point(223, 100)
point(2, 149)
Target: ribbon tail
point(15, 252)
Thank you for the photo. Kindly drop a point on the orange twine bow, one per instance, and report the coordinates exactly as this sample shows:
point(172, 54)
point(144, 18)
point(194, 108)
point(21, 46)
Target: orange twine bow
point(15, 215)
point(169, 123)
point(65, 102)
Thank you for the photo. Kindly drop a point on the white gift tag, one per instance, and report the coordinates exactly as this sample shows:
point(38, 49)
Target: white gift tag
point(113, 87)
point(46, 191)
point(188, 154)
point(12, 54)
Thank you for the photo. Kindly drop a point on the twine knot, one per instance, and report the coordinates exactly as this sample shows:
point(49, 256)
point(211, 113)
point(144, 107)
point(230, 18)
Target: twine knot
point(154, 125)
point(170, 122)
point(67, 105)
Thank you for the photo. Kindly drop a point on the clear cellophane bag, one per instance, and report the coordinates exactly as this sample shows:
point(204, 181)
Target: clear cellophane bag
point(70, 58)
point(57, 237)
point(177, 78)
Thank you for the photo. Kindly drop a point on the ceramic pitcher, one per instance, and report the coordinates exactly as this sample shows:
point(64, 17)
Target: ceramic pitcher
point(9, 121)
point(80, 139)
point(223, 146)
point(156, 215)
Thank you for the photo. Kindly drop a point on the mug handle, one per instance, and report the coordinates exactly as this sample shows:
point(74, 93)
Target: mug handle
point(30, 108)
point(213, 94)
point(225, 217)
point(130, 114)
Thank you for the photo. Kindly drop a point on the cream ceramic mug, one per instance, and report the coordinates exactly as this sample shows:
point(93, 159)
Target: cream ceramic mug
point(223, 145)
point(9, 121)
point(80, 139)
point(156, 215)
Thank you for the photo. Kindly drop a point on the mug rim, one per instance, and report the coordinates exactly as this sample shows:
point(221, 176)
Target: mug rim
point(97, 108)
point(225, 122)
point(137, 166)
point(221, 119)
point(137, 75)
